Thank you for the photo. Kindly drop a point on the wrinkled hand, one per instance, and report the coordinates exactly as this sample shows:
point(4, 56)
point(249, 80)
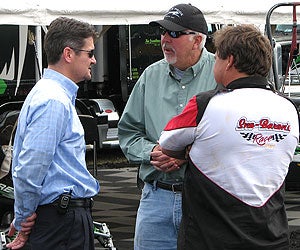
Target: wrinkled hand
point(22, 235)
point(163, 162)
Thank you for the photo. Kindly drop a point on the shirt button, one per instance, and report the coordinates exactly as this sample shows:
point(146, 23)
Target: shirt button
point(183, 87)
point(181, 105)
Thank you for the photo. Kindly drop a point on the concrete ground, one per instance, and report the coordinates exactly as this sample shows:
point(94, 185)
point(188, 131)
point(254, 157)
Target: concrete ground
point(117, 203)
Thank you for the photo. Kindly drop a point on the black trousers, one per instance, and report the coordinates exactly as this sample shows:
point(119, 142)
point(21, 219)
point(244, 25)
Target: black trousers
point(70, 231)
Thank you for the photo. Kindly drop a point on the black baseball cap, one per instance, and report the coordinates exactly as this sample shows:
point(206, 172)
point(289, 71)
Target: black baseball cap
point(182, 17)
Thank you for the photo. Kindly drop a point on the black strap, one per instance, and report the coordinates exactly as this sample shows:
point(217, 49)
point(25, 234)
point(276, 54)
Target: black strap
point(203, 100)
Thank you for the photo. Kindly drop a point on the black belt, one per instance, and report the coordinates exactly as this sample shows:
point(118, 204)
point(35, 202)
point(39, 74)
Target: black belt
point(82, 202)
point(174, 187)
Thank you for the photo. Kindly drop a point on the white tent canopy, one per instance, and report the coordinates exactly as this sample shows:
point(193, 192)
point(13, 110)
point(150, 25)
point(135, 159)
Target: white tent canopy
point(115, 12)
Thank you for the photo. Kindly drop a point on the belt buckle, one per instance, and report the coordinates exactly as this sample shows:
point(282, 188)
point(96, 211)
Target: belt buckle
point(173, 187)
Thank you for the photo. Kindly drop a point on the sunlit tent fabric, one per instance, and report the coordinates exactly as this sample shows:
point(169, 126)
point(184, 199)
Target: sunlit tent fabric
point(116, 12)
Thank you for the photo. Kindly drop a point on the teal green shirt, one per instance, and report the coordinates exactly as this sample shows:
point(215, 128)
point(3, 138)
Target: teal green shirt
point(155, 99)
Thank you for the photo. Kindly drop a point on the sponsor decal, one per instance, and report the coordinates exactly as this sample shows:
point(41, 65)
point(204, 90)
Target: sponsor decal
point(264, 132)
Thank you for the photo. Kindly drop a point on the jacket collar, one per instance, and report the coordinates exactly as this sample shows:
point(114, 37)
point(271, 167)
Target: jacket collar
point(254, 81)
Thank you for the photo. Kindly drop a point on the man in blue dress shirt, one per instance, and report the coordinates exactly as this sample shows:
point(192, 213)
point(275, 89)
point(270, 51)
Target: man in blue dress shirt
point(53, 188)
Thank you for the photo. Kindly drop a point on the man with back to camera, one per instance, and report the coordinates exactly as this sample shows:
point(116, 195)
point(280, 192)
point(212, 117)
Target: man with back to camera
point(161, 92)
point(243, 139)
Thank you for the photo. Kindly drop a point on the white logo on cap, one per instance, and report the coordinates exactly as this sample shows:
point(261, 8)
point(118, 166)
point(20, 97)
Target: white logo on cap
point(174, 13)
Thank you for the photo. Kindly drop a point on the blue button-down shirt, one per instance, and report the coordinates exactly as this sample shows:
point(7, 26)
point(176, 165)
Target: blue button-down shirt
point(49, 148)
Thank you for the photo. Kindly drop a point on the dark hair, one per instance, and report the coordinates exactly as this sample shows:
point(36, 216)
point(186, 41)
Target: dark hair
point(251, 50)
point(65, 32)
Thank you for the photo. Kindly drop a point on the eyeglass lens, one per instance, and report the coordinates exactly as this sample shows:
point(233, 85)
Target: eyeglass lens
point(90, 52)
point(175, 34)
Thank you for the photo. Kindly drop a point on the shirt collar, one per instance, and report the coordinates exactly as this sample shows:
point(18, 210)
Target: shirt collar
point(196, 68)
point(68, 85)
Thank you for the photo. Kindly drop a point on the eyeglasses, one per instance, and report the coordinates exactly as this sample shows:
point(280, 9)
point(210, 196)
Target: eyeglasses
point(90, 52)
point(175, 34)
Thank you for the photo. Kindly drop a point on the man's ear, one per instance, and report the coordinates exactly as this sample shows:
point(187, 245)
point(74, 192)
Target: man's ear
point(230, 61)
point(198, 40)
point(67, 54)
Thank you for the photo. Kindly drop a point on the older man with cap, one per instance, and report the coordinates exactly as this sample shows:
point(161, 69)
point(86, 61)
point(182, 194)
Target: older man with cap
point(162, 92)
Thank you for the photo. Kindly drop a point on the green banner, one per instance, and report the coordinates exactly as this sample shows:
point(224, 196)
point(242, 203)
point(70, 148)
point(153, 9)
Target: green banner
point(3, 86)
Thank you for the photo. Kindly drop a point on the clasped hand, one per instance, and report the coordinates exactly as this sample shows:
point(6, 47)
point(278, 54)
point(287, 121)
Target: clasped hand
point(163, 162)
